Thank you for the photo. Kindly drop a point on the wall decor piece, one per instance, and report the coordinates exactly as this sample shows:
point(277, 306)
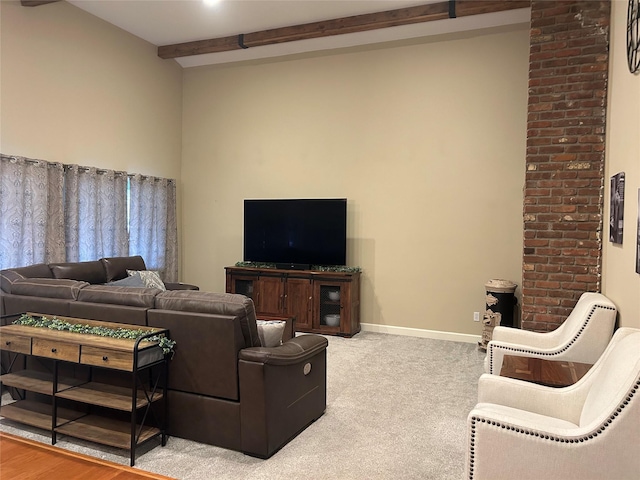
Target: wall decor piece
point(616, 215)
point(633, 37)
point(638, 237)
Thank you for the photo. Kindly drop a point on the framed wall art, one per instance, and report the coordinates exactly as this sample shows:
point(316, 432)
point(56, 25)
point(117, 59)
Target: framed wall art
point(616, 214)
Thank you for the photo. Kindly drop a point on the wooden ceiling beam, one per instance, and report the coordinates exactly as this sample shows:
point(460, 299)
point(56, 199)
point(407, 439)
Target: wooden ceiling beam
point(339, 26)
point(36, 3)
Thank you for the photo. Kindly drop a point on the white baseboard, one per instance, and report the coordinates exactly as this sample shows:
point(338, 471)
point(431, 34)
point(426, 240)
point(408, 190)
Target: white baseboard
point(419, 332)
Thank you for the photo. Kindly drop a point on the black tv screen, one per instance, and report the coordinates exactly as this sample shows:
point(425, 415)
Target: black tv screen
point(296, 233)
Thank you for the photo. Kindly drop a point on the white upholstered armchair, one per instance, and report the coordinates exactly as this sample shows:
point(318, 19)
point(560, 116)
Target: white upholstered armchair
point(589, 430)
point(581, 338)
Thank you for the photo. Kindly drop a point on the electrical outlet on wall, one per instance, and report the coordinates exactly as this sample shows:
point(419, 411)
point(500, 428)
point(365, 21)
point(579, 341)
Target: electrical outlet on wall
point(476, 316)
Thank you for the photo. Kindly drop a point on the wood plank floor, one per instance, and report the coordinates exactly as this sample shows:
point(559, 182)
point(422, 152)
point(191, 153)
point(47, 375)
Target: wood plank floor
point(23, 459)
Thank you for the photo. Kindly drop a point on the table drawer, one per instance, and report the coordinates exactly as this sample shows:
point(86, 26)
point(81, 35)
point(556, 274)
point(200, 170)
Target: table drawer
point(56, 349)
point(102, 357)
point(15, 343)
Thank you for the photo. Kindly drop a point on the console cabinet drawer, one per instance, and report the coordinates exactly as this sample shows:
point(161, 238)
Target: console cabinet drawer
point(15, 343)
point(102, 357)
point(56, 349)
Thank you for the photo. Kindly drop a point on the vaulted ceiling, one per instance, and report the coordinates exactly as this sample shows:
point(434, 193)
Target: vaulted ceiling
point(196, 33)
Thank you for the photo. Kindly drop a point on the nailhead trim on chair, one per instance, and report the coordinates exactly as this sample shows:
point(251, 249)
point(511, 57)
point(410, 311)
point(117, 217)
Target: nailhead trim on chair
point(582, 439)
point(549, 354)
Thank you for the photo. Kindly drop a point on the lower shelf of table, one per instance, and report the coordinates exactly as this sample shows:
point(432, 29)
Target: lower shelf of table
point(94, 428)
point(106, 431)
point(36, 414)
point(93, 393)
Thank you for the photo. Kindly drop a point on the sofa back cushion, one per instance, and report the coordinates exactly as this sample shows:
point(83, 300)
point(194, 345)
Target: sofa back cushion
point(227, 304)
point(91, 272)
point(116, 267)
point(206, 354)
point(48, 288)
point(7, 279)
point(10, 275)
point(109, 313)
point(131, 296)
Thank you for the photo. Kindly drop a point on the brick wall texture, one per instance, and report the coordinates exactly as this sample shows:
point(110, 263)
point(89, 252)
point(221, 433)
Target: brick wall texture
point(564, 180)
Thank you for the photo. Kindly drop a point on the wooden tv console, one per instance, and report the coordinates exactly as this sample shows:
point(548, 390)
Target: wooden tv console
point(321, 302)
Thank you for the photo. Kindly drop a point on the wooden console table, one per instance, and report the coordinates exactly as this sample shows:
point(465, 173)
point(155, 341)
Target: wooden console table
point(125, 355)
point(552, 373)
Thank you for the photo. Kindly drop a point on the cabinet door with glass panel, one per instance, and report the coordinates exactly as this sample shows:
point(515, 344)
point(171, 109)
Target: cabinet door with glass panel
point(329, 312)
point(244, 285)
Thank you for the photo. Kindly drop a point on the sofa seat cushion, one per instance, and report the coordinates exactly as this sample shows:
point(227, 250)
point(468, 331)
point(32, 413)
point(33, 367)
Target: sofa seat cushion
point(48, 288)
point(92, 272)
point(116, 267)
point(131, 296)
point(216, 303)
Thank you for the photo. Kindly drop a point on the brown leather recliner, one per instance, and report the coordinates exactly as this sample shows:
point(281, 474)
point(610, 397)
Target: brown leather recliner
point(227, 390)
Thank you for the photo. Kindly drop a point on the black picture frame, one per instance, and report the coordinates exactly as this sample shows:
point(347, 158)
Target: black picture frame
point(616, 212)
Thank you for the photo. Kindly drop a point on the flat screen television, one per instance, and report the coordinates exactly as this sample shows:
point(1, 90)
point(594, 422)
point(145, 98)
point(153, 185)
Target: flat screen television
point(296, 233)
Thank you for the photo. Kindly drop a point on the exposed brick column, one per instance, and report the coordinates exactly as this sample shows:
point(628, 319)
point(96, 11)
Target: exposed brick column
point(563, 198)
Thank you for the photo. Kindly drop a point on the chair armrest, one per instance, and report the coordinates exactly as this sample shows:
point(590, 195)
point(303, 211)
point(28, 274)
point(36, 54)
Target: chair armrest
point(291, 352)
point(563, 403)
point(498, 348)
point(536, 340)
point(180, 286)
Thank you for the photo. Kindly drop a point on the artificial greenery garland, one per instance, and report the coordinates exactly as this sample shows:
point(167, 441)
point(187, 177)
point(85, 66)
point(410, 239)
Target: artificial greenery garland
point(318, 268)
point(56, 324)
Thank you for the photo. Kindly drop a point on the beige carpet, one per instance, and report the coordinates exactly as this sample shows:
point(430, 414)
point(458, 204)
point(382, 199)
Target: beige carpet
point(396, 409)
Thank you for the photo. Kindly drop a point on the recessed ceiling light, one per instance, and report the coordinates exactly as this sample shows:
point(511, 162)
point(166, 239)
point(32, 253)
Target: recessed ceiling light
point(210, 3)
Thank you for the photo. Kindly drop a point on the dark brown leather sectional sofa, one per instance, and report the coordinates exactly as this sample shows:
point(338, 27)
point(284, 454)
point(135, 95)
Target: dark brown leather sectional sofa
point(224, 388)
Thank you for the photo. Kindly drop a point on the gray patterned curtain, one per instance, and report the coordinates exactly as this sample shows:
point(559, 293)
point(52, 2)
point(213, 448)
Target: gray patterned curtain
point(51, 212)
point(31, 212)
point(153, 231)
point(95, 213)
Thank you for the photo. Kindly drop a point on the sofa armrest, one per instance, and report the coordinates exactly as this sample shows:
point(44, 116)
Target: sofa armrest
point(180, 286)
point(282, 390)
point(291, 352)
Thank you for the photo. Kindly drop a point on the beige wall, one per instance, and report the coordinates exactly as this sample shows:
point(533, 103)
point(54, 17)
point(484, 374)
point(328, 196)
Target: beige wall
point(75, 89)
point(620, 282)
point(426, 141)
